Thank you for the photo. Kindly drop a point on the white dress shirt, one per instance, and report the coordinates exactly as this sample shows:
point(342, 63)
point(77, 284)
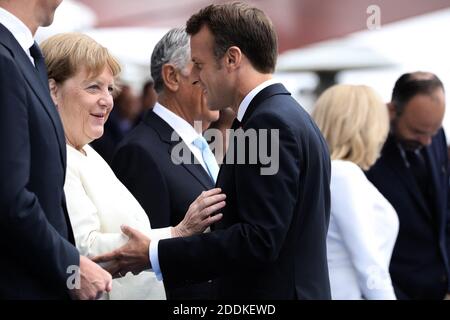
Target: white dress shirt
point(98, 204)
point(19, 30)
point(243, 106)
point(361, 236)
point(183, 128)
point(188, 134)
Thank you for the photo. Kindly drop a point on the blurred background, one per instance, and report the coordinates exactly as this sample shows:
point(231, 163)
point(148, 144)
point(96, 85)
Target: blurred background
point(321, 42)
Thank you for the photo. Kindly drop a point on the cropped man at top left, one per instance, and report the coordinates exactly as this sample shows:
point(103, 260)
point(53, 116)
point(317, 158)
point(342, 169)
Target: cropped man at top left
point(39, 258)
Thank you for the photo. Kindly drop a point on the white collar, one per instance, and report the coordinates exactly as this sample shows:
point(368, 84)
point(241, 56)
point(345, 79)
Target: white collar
point(19, 30)
point(183, 128)
point(249, 97)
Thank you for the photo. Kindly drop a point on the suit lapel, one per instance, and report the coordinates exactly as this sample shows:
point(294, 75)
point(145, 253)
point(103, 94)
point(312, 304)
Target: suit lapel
point(195, 169)
point(264, 94)
point(398, 166)
point(32, 77)
point(435, 183)
point(165, 133)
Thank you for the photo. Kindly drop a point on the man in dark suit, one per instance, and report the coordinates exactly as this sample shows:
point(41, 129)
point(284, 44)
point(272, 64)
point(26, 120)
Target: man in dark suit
point(39, 260)
point(412, 173)
point(270, 243)
point(143, 159)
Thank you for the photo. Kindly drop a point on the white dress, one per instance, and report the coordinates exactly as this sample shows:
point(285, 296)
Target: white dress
point(361, 236)
point(98, 204)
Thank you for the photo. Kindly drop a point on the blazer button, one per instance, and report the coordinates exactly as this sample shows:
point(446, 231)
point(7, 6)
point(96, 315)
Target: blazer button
point(444, 278)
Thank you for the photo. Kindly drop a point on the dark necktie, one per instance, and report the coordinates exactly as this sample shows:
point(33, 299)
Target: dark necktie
point(39, 63)
point(236, 124)
point(419, 169)
point(417, 166)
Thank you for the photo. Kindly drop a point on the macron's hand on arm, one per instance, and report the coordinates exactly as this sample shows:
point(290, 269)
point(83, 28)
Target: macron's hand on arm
point(200, 213)
point(94, 281)
point(132, 256)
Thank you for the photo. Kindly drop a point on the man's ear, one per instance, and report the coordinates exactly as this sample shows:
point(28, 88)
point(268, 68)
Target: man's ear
point(392, 111)
point(53, 91)
point(233, 57)
point(170, 77)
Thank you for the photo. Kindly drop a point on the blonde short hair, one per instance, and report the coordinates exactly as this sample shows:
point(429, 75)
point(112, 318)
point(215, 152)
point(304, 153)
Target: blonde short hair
point(66, 53)
point(354, 121)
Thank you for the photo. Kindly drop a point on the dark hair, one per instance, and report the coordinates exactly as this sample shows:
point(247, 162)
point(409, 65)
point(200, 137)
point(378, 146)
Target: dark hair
point(147, 85)
point(239, 24)
point(412, 84)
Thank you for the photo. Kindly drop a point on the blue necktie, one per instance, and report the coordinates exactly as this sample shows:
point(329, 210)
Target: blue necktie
point(208, 157)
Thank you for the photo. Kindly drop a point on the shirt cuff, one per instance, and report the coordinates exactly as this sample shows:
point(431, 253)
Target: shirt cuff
point(160, 233)
point(154, 260)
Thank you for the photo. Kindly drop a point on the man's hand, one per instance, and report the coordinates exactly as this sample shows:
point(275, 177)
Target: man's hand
point(199, 215)
point(133, 256)
point(94, 281)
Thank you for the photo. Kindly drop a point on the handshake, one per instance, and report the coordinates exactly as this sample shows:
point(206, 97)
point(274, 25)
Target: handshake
point(92, 281)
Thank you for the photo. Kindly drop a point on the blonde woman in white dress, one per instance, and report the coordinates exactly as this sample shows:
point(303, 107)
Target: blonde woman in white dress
point(363, 224)
point(82, 77)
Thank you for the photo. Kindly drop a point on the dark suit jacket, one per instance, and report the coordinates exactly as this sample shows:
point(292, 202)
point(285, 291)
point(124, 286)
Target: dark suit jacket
point(35, 233)
point(165, 190)
point(270, 243)
point(419, 264)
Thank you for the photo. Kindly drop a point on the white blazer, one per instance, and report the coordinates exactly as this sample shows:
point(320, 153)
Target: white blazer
point(361, 236)
point(98, 204)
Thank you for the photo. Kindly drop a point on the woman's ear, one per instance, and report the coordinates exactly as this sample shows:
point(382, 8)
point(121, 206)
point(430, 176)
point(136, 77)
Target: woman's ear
point(53, 91)
point(170, 77)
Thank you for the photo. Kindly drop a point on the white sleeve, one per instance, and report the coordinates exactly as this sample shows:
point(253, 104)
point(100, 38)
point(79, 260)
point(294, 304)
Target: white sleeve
point(351, 200)
point(85, 221)
point(154, 259)
point(160, 233)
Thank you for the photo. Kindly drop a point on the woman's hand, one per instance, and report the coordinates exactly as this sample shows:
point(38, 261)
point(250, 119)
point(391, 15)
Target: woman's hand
point(199, 215)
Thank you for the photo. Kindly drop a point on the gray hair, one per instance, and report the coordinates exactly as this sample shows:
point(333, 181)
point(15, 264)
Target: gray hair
point(173, 48)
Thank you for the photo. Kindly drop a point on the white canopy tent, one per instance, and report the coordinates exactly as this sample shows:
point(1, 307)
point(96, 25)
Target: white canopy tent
point(131, 46)
point(374, 57)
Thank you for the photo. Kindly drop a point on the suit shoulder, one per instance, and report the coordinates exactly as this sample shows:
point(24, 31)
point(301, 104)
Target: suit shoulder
point(140, 135)
point(5, 51)
point(141, 145)
point(440, 138)
point(280, 109)
point(284, 112)
point(7, 62)
point(379, 170)
point(11, 78)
